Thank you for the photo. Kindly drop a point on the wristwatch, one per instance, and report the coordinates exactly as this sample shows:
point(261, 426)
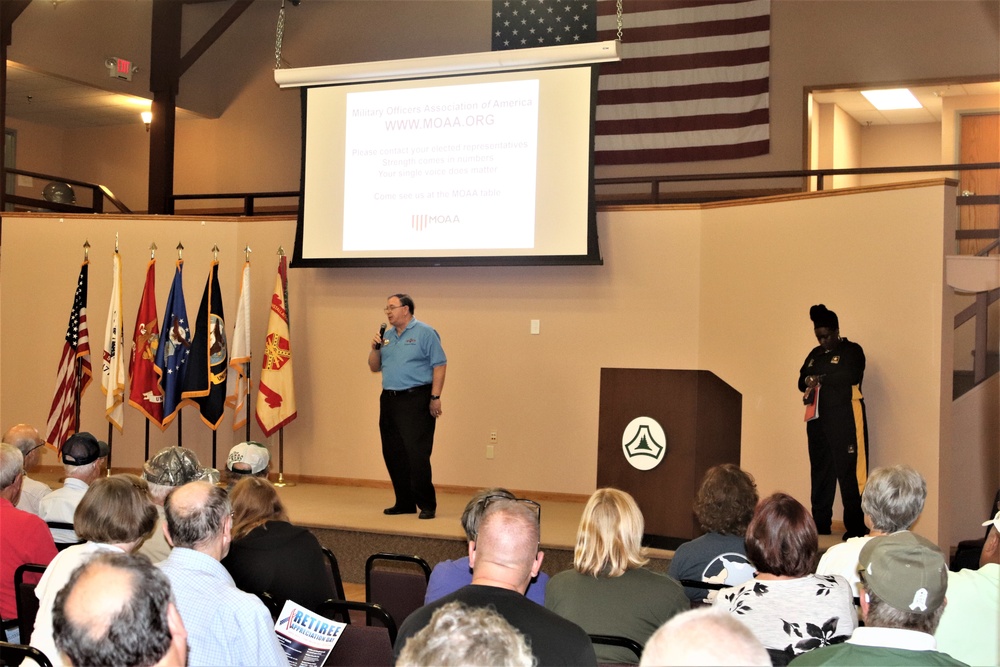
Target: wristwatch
point(435, 398)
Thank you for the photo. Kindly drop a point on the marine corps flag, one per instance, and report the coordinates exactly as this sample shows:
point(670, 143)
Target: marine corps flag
point(239, 377)
point(276, 397)
point(144, 388)
point(70, 385)
point(174, 348)
point(113, 369)
point(205, 379)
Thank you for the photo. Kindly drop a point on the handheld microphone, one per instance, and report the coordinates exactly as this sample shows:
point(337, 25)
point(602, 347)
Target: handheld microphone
point(381, 334)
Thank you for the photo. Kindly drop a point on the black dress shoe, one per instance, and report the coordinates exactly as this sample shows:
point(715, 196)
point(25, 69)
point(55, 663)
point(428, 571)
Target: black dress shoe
point(399, 510)
point(426, 514)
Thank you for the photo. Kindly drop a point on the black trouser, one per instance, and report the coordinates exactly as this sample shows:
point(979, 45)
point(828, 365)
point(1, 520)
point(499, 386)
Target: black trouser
point(407, 428)
point(834, 442)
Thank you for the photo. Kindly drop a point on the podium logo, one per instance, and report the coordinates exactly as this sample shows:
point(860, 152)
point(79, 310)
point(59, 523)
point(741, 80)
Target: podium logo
point(644, 443)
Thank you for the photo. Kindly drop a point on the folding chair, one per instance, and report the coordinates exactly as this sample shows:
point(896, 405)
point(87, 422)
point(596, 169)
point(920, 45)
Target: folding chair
point(14, 654)
point(335, 572)
point(361, 645)
point(27, 603)
point(340, 610)
point(62, 525)
point(400, 589)
point(620, 642)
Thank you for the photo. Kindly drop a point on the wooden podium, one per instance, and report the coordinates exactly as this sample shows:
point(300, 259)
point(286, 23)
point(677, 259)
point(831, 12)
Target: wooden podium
point(700, 416)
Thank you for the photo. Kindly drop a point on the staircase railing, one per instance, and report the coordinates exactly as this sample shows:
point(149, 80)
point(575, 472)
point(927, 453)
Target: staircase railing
point(98, 194)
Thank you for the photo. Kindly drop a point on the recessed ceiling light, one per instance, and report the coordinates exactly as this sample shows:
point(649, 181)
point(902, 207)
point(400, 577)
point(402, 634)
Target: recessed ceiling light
point(889, 100)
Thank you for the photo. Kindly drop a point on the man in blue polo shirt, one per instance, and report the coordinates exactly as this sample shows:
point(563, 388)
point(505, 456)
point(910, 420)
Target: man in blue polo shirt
point(412, 363)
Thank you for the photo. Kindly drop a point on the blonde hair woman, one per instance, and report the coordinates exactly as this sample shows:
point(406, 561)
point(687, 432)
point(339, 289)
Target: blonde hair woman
point(609, 591)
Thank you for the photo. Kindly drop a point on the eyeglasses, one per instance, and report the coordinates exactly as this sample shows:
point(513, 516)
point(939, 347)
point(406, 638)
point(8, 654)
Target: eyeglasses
point(41, 444)
point(389, 309)
point(535, 507)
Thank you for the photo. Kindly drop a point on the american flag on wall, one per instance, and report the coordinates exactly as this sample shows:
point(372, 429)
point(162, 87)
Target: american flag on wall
point(693, 81)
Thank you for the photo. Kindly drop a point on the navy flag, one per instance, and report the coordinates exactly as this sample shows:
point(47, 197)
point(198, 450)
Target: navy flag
point(174, 348)
point(205, 380)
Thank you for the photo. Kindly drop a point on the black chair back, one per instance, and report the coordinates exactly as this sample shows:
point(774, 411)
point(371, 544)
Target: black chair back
point(620, 642)
point(27, 603)
point(397, 582)
point(338, 583)
point(62, 525)
point(360, 646)
point(15, 654)
point(340, 610)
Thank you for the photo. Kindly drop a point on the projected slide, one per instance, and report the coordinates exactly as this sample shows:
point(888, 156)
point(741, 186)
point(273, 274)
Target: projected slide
point(441, 168)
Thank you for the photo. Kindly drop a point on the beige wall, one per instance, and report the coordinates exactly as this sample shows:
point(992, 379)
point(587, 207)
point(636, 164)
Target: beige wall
point(900, 145)
point(253, 141)
point(722, 288)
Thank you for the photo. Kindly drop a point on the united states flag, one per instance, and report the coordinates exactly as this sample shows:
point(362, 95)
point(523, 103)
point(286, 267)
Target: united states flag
point(692, 84)
point(70, 386)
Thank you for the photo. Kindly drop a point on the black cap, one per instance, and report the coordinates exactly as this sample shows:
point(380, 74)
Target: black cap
point(83, 448)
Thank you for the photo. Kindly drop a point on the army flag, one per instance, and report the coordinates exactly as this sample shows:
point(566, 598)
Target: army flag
point(174, 348)
point(276, 395)
point(113, 368)
point(144, 388)
point(238, 383)
point(205, 379)
point(70, 385)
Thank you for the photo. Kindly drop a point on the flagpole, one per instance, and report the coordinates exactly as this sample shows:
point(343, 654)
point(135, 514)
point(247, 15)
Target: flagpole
point(180, 427)
point(111, 440)
point(248, 400)
point(147, 439)
point(281, 460)
point(78, 389)
point(214, 436)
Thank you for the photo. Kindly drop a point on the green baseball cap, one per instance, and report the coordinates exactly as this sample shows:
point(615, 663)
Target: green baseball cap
point(906, 571)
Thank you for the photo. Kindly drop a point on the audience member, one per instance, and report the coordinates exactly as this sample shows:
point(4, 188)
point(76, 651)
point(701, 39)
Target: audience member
point(270, 554)
point(904, 578)
point(247, 459)
point(608, 591)
point(25, 437)
point(168, 469)
point(458, 635)
point(970, 626)
point(225, 625)
point(504, 558)
point(24, 537)
point(116, 611)
point(450, 575)
point(704, 637)
point(115, 514)
point(789, 609)
point(892, 501)
point(723, 506)
point(84, 458)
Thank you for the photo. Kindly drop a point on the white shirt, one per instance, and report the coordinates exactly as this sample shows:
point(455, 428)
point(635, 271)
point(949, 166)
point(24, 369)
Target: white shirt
point(60, 505)
point(32, 492)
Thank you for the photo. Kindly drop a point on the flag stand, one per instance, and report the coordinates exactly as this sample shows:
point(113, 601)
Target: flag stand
point(111, 437)
point(147, 440)
point(281, 460)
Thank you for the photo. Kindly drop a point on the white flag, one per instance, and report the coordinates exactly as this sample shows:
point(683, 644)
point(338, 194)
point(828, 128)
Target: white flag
point(113, 375)
point(238, 384)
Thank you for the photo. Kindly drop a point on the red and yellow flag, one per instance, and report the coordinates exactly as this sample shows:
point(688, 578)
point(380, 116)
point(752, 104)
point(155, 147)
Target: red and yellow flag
point(145, 394)
point(276, 394)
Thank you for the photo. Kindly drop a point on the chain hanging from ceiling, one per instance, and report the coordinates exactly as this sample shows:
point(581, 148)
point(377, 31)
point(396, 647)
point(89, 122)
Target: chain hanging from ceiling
point(618, 17)
point(279, 33)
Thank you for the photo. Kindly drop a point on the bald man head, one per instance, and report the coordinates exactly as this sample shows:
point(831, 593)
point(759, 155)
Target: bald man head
point(116, 609)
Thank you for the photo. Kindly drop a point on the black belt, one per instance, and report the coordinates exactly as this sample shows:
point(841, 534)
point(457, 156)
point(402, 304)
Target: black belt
point(403, 392)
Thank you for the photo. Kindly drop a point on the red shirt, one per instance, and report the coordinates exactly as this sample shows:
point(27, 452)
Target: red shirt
point(24, 538)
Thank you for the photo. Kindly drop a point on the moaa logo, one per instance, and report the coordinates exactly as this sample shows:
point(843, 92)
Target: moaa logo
point(644, 443)
point(420, 221)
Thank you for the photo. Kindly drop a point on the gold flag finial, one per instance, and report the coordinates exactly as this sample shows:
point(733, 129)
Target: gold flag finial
point(281, 251)
point(247, 251)
point(180, 251)
point(86, 250)
point(215, 252)
point(152, 250)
